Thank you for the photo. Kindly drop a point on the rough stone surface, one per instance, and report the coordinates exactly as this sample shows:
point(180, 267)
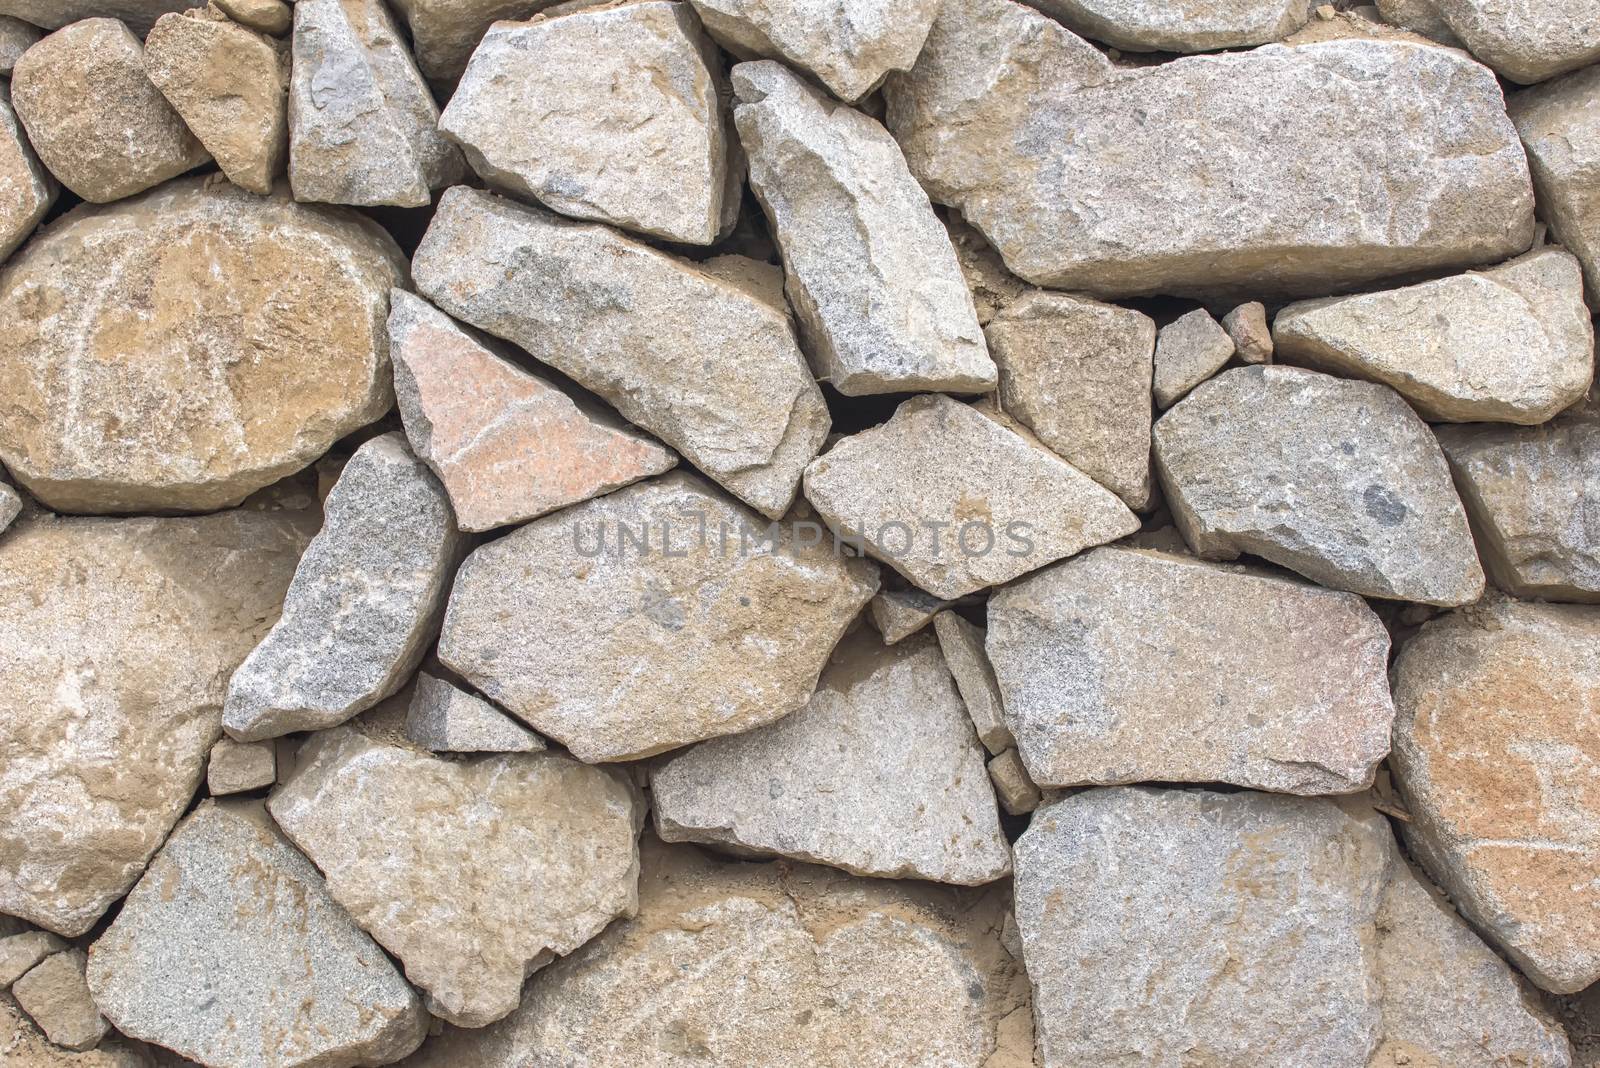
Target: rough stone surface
point(235, 767)
point(1396, 157)
point(868, 268)
point(230, 951)
point(1189, 350)
point(140, 15)
point(255, 326)
point(115, 652)
point(1132, 665)
point(94, 117)
point(266, 16)
point(475, 872)
point(1161, 26)
point(962, 645)
point(1013, 787)
point(1524, 40)
point(1510, 344)
point(1337, 480)
point(1252, 337)
point(447, 719)
point(1560, 127)
point(507, 445)
point(10, 506)
point(445, 32)
point(993, 287)
point(1077, 373)
point(20, 952)
point(29, 190)
point(363, 606)
point(610, 113)
point(55, 995)
point(939, 472)
point(16, 37)
point(23, 1044)
point(898, 614)
point(625, 321)
point(655, 616)
point(1496, 755)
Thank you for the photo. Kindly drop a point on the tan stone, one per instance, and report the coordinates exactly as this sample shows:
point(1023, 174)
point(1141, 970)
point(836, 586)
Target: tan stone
point(993, 287)
point(24, 1045)
point(962, 645)
point(266, 16)
point(16, 37)
point(21, 951)
point(235, 767)
point(1523, 41)
point(898, 614)
point(1013, 787)
point(55, 994)
point(445, 32)
point(29, 188)
point(1189, 350)
point(140, 15)
point(1559, 124)
point(1252, 337)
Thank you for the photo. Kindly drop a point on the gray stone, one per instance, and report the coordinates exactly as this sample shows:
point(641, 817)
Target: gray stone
point(1160, 26)
point(10, 506)
point(447, 719)
point(898, 614)
point(29, 189)
point(962, 646)
point(1189, 350)
point(1013, 787)
point(56, 996)
point(236, 767)
point(1337, 480)
point(1560, 127)
point(20, 952)
point(869, 270)
point(445, 32)
point(1525, 42)
point(1252, 337)
point(16, 37)
point(140, 15)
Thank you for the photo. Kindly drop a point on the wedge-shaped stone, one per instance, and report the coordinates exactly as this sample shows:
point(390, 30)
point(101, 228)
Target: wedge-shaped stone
point(1014, 788)
point(1337, 480)
point(1189, 350)
point(1560, 127)
point(445, 32)
point(230, 951)
point(962, 645)
point(898, 614)
point(1502, 702)
point(115, 652)
point(1160, 26)
point(56, 996)
point(709, 366)
point(1396, 157)
point(29, 190)
point(869, 269)
point(235, 767)
point(955, 501)
point(20, 952)
point(1525, 42)
point(656, 616)
point(447, 719)
point(140, 15)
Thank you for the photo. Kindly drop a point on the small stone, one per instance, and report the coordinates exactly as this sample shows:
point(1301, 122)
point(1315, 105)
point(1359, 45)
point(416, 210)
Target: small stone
point(962, 645)
point(1158, 26)
point(898, 614)
point(10, 505)
point(29, 189)
point(231, 951)
point(265, 16)
point(364, 604)
point(1337, 480)
point(1252, 337)
point(1189, 350)
point(1510, 344)
point(445, 32)
point(25, 1046)
point(993, 287)
point(1016, 792)
point(235, 767)
point(1523, 42)
point(447, 719)
point(508, 445)
point(1560, 127)
point(20, 952)
point(870, 271)
point(16, 37)
point(93, 115)
point(1326, 12)
point(57, 997)
point(955, 501)
point(140, 15)
point(363, 125)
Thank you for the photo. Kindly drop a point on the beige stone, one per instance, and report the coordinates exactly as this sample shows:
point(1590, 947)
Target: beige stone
point(1252, 337)
point(1161, 26)
point(140, 15)
point(16, 37)
point(898, 614)
point(29, 189)
point(20, 952)
point(235, 767)
point(55, 994)
point(1559, 124)
point(993, 287)
point(447, 719)
point(445, 32)
point(962, 645)
point(1013, 788)
point(265, 16)
point(1523, 40)
point(1189, 350)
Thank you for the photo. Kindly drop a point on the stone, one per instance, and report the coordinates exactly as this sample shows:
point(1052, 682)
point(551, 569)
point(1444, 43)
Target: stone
point(650, 618)
point(56, 996)
point(117, 645)
point(1016, 792)
point(16, 37)
point(364, 604)
point(1524, 42)
point(1396, 158)
point(255, 325)
point(230, 950)
point(879, 774)
point(1559, 124)
point(993, 287)
point(445, 32)
point(880, 299)
point(610, 114)
point(1509, 344)
point(272, 17)
point(1252, 337)
point(1155, 26)
point(20, 952)
point(898, 614)
point(1337, 480)
point(1189, 350)
point(25, 1045)
point(30, 191)
point(93, 116)
point(1134, 665)
point(1077, 373)
point(447, 719)
point(363, 125)
point(140, 15)
point(625, 321)
point(475, 872)
point(10, 506)
point(230, 87)
point(955, 501)
point(1495, 754)
point(508, 445)
point(962, 645)
point(236, 767)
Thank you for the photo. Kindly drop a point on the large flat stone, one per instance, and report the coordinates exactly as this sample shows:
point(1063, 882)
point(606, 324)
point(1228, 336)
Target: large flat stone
point(1160, 26)
point(1559, 124)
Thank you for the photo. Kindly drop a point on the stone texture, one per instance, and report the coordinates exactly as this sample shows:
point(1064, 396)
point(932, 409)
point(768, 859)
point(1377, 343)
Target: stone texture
point(364, 604)
point(1159, 26)
point(1396, 157)
point(115, 651)
point(993, 287)
point(20, 952)
point(1495, 753)
point(94, 117)
point(473, 873)
point(869, 270)
point(655, 616)
point(955, 501)
point(140, 15)
point(625, 321)
point(879, 775)
point(445, 32)
point(1132, 665)
point(363, 125)
point(1189, 350)
point(255, 326)
point(28, 189)
point(235, 767)
point(1252, 337)
point(1510, 344)
point(1560, 127)
point(611, 113)
point(230, 951)
point(507, 445)
point(1524, 40)
point(1013, 788)
point(1077, 373)
point(265, 16)
point(16, 37)
point(1337, 480)
point(447, 719)
point(56, 996)
point(898, 614)
point(10, 506)
point(962, 645)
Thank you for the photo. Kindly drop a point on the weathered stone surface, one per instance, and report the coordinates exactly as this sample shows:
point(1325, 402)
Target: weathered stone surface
point(507, 445)
point(447, 719)
point(962, 646)
point(363, 125)
point(1077, 373)
point(115, 651)
point(1510, 344)
point(56, 996)
point(1396, 157)
point(20, 952)
point(29, 190)
point(140, 15)
point(869, 270)
point(898, 614)
point(364, 604)
point(1159, 26)
point(655, 616)
point(1522, 40)
point(1013, 787)
point(993, 287)
point(1560, 127)
point(626, 321)
point(10, 505)
point(445, 32)
point(16, 37)
point(229, 85)
point(254, 326)
point(955, 501)
point(610, 113)
point(474, 873)
point(235, 767)
point(1131, 665)
point(266, 16)
point(1496, 755)
point(231, 951)
point(1252, 337)
point(1189, 350)
point(23, 1044)
point(1335, 479)
point(94, 117)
